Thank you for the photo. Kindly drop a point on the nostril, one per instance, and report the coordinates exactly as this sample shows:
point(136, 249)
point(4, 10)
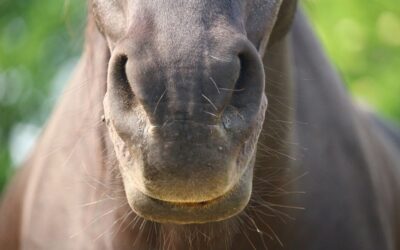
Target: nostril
point(118, 79)
point(240, 84)
point(249, 88)
point(119, 73)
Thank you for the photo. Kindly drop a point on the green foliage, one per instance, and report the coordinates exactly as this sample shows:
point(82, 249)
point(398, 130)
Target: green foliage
point(38, 37)
point(363, 39)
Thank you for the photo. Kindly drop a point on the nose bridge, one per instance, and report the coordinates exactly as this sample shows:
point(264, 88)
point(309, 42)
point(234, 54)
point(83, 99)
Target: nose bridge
point(181, 78)
point(180, 66)
point(195, 82)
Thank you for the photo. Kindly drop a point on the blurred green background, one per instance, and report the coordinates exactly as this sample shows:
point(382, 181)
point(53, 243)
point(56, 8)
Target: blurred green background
point(40, 42)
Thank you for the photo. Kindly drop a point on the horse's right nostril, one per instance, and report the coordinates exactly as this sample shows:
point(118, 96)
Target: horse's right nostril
point(119, 83)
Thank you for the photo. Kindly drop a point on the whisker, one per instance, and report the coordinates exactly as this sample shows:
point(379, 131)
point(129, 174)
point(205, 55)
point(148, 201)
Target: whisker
point(212, 104)
point(272, 231)
point(220, 59)
point(285, 206)
point(247, 237)
point(140, 234)
point(233, 90)
point(215, 84)
point(159, 100)
point(261, 233)
point(212, 114)
point(94, 202)
point(295, 179)
point(276, 151)
point(97, 219)
point(112, 225)
point(132, 223)
point(277, 212)
point(122, 223)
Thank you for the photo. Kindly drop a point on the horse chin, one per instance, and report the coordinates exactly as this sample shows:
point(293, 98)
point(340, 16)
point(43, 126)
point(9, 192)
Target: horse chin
point(217, 209)
point(208, 180)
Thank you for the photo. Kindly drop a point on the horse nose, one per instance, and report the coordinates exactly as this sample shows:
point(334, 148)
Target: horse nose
point(194, 86)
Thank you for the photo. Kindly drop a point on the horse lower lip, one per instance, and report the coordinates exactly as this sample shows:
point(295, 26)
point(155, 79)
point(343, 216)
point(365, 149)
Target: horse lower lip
point(194, 204)
point(218, 209)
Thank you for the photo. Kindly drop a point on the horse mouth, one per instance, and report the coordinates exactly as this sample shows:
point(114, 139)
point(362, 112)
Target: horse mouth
point(201, 204)
point(217, 209)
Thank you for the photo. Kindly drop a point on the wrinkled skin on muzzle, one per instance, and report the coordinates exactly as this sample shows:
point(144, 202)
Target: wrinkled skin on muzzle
point(185, 102)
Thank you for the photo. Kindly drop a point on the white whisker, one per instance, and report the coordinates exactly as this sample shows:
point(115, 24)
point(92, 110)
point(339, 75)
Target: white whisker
point(159, 100)
point(215, 84)
point(212, 104)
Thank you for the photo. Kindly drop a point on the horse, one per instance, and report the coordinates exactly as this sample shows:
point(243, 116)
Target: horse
point(200, 124)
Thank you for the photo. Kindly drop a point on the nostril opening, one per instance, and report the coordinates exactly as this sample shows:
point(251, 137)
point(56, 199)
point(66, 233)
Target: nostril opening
point(249, 87)
point(119, 79)
point(119, 73)
point(240, 84)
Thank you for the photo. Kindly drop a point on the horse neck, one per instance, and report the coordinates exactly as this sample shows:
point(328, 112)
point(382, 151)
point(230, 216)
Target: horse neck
point(337, 148)
point(275, 147)
point(71, 165)
point(308, 108)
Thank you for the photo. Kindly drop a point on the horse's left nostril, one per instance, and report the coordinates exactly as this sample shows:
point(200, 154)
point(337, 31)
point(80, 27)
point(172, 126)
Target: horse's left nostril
point(249, 87)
